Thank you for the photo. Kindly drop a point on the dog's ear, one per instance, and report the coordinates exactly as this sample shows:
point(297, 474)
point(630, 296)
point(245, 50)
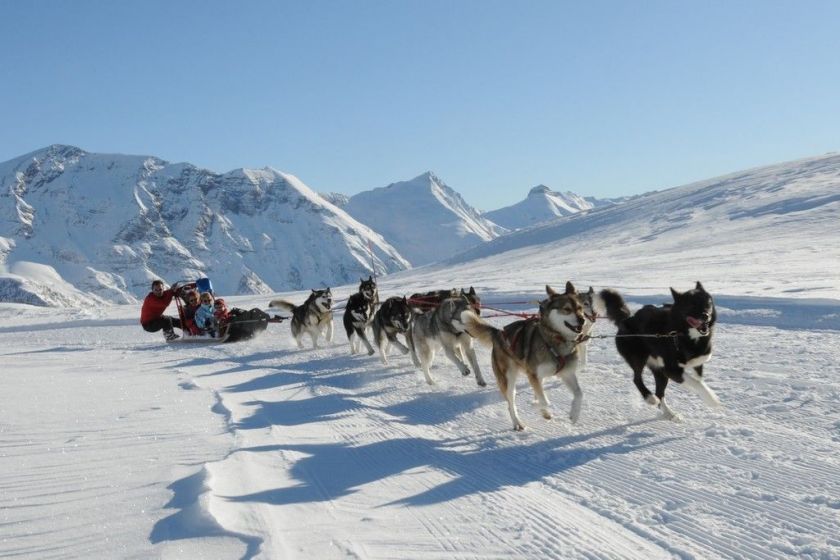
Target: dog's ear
point(570, 289)
point(472, 291)
point(550, 291)
point(675, 294)
point(699, 287)
point(405, 300)
point(370, 278)
point(591, 290)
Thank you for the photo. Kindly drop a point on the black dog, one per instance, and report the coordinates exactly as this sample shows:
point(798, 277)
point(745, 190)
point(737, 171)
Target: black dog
point(358, 313)
point(673, 341)
point(392, 318)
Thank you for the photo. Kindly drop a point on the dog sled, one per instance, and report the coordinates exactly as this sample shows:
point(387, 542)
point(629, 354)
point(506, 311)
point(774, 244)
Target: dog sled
point(239, 324)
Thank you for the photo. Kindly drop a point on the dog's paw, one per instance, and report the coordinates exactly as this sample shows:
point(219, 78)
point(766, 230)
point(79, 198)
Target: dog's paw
point(652, 400)
point(519, 427)
point(547, 415)
point(672, 417)
point(466, 371)
point(482, 383)
point(371, 352)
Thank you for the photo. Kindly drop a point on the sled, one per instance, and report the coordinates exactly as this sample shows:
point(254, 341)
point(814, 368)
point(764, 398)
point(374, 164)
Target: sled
point(242, 324)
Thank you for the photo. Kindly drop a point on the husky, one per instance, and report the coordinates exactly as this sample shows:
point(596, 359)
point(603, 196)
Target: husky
point(392, 318)
point(423, 302)
point(444, 327)
point(541, 347)
point(358, 313)
point(673, 341)
point(314, 316)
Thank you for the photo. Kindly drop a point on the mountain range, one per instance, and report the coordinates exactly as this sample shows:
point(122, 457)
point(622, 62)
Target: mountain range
point(109, 224)
point(78, 228)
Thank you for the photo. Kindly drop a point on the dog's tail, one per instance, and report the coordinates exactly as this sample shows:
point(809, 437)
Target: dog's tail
point(282, 304)
point(481, 330)
point(610, 303)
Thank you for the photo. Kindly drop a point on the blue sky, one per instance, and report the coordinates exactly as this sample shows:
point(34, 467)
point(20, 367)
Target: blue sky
point(602, 98)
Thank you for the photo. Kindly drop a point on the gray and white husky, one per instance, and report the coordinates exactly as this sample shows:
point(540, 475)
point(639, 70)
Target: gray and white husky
point(444, 328)
point(314, 316)
point(392, 318)
point(541, 347)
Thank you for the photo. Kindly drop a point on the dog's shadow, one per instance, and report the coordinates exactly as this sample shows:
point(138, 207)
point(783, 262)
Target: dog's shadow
point(486, 469)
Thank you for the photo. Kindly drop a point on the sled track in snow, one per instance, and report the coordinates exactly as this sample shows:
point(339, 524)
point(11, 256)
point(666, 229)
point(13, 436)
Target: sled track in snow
point(441, 461)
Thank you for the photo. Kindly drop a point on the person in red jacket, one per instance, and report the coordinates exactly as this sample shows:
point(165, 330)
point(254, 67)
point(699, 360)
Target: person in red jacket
point(151, 314)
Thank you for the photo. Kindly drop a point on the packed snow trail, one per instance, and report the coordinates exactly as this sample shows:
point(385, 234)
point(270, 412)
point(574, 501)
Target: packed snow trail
point(261, 450)
point(389, 463)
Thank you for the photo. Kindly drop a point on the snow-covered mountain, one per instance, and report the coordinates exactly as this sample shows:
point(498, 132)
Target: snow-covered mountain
point(543, 204)
point(423, 218)
point(336, 199)
point(702, 231)
point(108, 224)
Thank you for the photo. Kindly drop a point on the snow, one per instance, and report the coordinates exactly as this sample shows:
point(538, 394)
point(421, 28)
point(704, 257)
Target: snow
point(116, 445)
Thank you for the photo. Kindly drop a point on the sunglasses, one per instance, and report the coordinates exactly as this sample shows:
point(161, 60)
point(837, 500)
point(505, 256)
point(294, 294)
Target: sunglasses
point(217, 304)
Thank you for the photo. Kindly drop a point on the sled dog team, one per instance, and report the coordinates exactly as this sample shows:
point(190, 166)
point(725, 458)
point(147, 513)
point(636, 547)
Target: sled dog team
point(673, 341)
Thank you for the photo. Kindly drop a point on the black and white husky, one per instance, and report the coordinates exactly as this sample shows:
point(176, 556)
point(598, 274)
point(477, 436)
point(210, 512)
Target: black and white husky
point(314, 316)
point(391, 319)
point(444, 327)
point(358, 313)
point(673, 341)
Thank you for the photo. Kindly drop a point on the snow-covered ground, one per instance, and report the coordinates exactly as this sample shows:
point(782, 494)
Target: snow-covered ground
point(114, 445)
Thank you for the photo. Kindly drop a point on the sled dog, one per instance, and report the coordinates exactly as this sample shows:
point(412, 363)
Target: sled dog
point(392, 318)
point(358, 313)
point(423, 302)
point(314, 316)
point(426, 301)
point(540, 347)
point(675, 341)
point(444, 327)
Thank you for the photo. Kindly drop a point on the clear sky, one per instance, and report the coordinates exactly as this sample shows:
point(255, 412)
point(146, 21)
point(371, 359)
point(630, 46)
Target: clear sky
point(603, 98)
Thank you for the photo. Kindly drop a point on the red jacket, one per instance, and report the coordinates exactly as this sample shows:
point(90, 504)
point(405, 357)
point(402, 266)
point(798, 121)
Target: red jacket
point(154, 306)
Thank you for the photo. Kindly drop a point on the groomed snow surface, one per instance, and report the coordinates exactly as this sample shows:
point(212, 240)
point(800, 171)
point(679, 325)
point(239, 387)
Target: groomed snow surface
point(115, 445)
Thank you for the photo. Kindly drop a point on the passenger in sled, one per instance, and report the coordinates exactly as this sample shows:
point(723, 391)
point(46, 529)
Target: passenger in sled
point(191, 305)
point(211, 316)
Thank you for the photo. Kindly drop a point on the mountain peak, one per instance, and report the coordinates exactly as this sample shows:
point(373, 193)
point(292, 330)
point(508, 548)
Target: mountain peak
point(423, 218)
point(539, 189)
point(427, 177)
